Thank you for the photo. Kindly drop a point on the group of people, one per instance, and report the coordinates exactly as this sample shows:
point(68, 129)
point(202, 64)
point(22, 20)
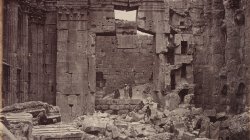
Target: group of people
point(128, 92)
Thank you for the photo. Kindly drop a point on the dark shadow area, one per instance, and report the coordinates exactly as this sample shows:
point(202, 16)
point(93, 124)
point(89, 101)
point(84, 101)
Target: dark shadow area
point(182, 95)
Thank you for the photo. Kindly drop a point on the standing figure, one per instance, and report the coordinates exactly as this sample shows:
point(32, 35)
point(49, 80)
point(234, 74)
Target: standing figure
point(130, 92)
point(147, 113)
point(126, 91)
point(117, 94)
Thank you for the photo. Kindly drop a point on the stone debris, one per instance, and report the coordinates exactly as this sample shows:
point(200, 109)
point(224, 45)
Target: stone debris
point(56, 131)
point(37, 109)
point(5, 133)
point(19, 124)
point(181, 123)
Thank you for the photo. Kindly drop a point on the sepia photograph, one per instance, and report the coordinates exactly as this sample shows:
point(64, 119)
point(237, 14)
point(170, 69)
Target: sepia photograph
point(125, 69)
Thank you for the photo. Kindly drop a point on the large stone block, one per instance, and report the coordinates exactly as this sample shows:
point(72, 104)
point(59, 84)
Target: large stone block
point(56, 132)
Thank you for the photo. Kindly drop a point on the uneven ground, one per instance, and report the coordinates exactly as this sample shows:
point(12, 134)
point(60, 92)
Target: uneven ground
point(182, 123)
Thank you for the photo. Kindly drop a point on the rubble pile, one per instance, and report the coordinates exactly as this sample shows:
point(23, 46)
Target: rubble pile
point(20, 118)
point(183, 123)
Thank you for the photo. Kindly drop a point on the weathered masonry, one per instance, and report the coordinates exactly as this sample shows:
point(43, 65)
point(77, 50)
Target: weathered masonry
point(65, 51)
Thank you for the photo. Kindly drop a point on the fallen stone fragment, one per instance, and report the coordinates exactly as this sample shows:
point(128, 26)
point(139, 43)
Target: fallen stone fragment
point(188, 136)
point(56, 131)
point(188, 98)
point(51, 113)
point(172, 101)
point(240, 126)
point(20, 125)
point(196, 111)
point(162, 136)
point(210, 113)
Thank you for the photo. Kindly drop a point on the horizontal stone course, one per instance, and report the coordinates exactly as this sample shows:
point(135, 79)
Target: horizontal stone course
point(113, 105)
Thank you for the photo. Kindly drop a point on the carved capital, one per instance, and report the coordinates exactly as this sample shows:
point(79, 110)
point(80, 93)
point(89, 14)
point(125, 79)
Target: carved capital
point(36, 16)
point(72, 13)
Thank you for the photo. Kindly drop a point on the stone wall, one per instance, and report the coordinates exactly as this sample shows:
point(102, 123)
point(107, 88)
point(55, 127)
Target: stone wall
point(54, 55)
point(124, 59)
point(219, 58)
point(116, 106)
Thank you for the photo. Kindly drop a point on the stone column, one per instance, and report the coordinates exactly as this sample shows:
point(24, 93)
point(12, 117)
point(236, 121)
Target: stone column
point(33, 59)
point(40, 61)
point(24, 57)
point(247, 49)
point(36, 40)
point(49, 51)
point(11, 41)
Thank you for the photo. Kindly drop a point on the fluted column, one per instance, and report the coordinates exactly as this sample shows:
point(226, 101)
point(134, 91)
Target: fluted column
point(24, 88)
point(11, 41)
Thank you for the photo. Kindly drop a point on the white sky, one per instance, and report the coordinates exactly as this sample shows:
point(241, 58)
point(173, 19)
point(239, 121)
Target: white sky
point(129, 16)
point(125, 15)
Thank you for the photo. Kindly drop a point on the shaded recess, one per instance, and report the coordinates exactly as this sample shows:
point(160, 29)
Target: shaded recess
point(182, 95)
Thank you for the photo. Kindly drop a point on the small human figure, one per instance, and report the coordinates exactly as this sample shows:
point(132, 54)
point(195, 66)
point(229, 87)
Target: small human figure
point(117, 94)
point(147, 113)
point(171, 127)
point(139, 107)
point(130, 92)
point(126, 91)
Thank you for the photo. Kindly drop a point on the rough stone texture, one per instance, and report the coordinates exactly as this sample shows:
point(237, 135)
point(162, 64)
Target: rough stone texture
point(116, 106)
point(59, 131)
point(124, 59)
point(24, 59)
point(20, 125)
point(35, 108)
point(51, 51)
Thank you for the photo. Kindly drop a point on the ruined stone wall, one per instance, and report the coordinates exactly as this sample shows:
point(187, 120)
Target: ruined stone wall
point(124, 59)
point(219, 58)
point(54, 54)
